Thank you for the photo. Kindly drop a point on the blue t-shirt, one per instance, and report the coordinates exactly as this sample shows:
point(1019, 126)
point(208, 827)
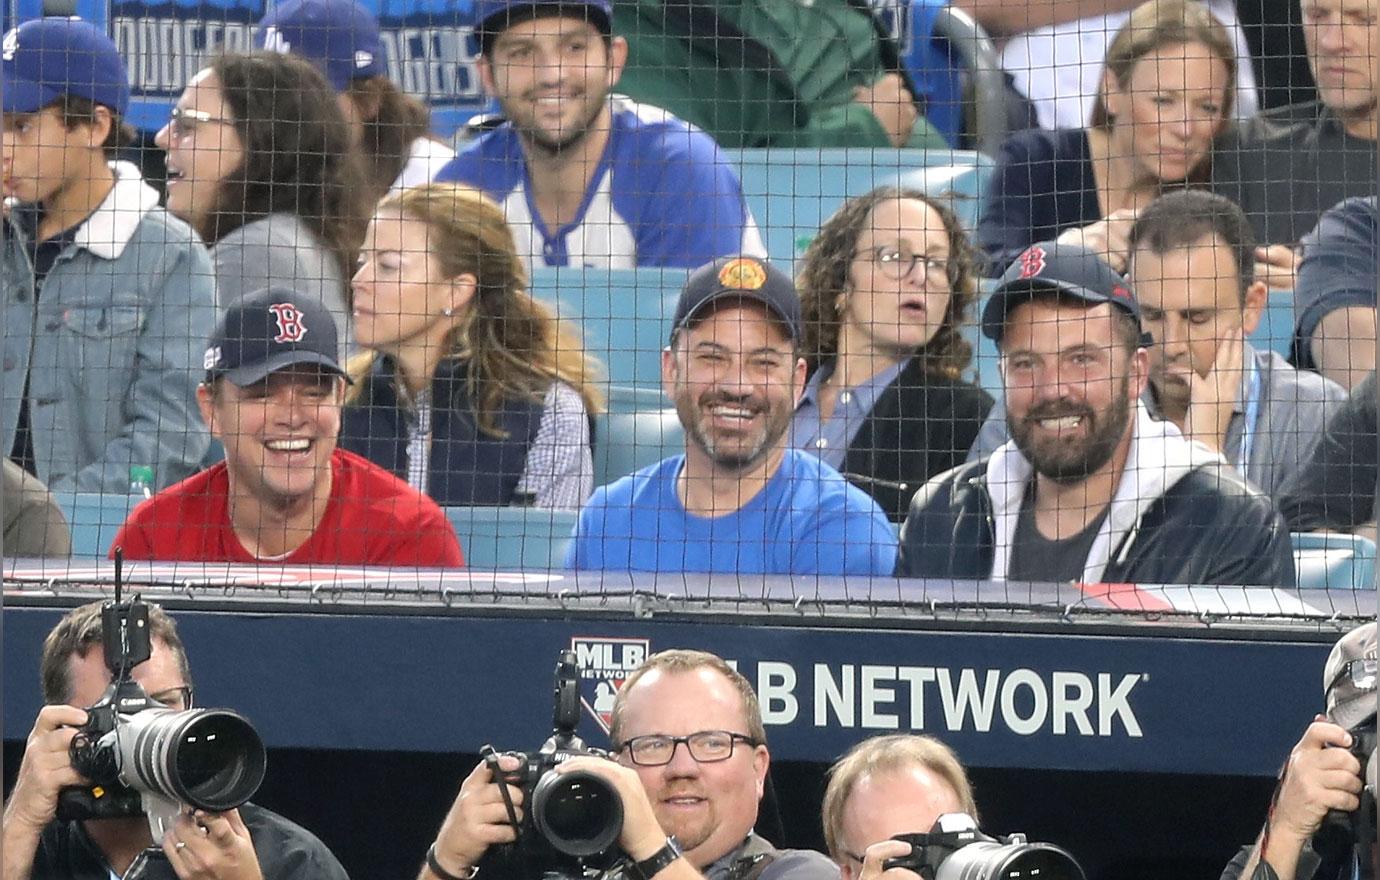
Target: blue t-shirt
point(1337, 271)
point(807, 520)
point(663, 195)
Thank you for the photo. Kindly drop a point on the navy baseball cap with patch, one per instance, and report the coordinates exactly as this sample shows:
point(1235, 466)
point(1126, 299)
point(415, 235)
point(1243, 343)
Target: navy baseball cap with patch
point(740, 278)
point(46, 58)
point(271, 329)
point(1067, 268)
point(340, 37)
point(492, 16)
point(1349, 678)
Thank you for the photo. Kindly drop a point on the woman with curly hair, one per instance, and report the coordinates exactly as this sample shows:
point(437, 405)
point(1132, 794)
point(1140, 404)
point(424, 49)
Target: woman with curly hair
point(885, 289)
point(468, 388)
point(260, 163)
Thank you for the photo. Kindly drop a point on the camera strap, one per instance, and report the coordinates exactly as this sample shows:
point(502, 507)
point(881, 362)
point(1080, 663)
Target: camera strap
point(499, 778)
point(750, 867)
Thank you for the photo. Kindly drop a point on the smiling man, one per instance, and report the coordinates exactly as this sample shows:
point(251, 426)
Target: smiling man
point(284, 493)
point(585, 178)
point(738, 500)
point(1090, 488)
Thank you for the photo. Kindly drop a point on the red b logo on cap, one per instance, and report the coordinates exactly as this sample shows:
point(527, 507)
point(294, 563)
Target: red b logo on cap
point(290, 326)
point(1032, 262)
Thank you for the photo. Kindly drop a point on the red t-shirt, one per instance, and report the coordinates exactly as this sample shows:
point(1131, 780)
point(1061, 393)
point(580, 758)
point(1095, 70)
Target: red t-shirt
point(372, 518)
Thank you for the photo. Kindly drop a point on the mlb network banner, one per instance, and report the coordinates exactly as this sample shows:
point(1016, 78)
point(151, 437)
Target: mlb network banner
point(1138, 701)
point(165, 43)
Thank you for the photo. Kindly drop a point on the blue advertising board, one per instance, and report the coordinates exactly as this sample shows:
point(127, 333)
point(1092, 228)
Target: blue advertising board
point(1136, 698)
point(165, 43)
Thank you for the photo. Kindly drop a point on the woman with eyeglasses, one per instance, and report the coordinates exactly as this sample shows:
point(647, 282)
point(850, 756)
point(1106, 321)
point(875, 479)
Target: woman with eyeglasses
point(260, 162)
point(885, 289)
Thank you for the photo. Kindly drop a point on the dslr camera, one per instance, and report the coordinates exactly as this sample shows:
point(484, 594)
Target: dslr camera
point(1355, 831)
point(571, 821)
point(145, 759)
point(954, 849)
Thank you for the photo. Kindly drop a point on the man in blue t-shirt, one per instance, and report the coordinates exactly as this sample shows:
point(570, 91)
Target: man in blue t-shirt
point(585, 178)
point(738, 500)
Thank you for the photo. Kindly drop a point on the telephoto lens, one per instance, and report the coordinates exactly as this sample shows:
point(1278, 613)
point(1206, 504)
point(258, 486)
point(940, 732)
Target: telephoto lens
point(210, 759)
point(1010, 861)
point(579, 813)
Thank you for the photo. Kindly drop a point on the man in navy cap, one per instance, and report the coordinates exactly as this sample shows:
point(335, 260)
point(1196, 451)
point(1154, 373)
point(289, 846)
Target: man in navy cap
point(738, 500)
point(588, 179)
point(1090, 488)
point(105, 299)
point(285, 493)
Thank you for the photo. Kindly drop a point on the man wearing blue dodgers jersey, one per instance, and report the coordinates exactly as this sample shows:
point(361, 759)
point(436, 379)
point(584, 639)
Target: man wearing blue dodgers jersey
point(586, 178)
point(739, 500)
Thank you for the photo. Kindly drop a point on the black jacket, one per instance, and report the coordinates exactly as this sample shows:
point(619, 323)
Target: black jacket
point(1210, 527)
point(1335, 487)
point(920, 426)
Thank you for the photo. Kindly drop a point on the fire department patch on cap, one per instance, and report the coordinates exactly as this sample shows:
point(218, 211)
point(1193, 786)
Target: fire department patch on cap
point(743, 274)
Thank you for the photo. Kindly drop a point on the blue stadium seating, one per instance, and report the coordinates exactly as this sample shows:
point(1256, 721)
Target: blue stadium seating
point(791, 192)
point(94, 519)
point(512, 538)
point(1334, 560)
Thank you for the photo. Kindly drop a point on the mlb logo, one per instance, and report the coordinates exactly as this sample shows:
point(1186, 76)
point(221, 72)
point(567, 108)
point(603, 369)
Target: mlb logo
point(604, 664)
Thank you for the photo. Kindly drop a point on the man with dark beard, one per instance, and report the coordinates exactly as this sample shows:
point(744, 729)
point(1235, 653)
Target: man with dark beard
point(1090, 488)
point(587, 179)
point(738, 500)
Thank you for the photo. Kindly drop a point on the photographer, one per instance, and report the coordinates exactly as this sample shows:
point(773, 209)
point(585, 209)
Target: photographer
point(242, 844)
point(1321, 821)
point(889, 785)
point(691, 762)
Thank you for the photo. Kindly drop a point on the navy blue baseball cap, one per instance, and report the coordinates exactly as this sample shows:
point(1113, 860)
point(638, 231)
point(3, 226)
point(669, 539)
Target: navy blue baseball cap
point(340, 37)
point(271, 329)
point(740, 278)
point(492, 16)
point(1069, 269)
point(46, 58)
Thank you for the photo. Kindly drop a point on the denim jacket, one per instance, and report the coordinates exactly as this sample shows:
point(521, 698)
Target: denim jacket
point(113, 346)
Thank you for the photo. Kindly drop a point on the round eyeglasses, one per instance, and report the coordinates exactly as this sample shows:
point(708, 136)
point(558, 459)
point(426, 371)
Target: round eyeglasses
point(896, 263)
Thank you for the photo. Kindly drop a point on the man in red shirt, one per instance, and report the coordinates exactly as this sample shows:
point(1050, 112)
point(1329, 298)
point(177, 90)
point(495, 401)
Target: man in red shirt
point(285, 493)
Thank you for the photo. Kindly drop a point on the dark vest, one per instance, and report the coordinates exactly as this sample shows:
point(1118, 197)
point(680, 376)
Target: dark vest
point(468, 467)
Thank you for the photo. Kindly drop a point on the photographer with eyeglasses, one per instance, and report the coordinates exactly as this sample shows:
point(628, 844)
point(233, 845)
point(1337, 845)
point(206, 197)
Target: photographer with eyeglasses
point(1320, 824)
point(690, 763)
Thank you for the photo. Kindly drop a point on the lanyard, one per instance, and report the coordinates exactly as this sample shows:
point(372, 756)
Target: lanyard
point(1252, 418)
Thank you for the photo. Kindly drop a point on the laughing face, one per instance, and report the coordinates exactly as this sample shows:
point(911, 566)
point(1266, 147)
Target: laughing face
point(709, 807)
point(279, 433)
point(203, 148)
point(1069, 385)
point(735, 381)
point(898, 282)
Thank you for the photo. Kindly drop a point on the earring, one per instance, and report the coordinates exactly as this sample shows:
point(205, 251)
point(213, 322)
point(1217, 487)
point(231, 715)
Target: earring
point(448, 312)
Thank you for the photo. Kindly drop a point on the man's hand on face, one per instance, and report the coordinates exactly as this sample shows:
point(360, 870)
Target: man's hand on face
point(1212, 398)
point(877, 854)
point(211, 846)
point(477, 819)
point(46, 768)
point(642, 835)
point(1322, 775)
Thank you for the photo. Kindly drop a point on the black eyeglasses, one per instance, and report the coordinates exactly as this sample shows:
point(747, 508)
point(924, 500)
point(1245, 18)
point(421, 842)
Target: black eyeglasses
point(174, 698)
point(706, 747)
point(1360, 671)
point(897, 263)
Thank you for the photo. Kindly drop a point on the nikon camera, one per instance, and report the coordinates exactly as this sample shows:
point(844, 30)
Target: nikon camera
point(954, 849)
point(572, 821)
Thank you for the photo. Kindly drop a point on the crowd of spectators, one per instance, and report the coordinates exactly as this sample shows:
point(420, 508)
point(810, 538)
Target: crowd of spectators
point(1140, 435)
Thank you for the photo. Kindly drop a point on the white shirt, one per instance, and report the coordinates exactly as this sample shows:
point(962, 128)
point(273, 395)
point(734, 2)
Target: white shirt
point(424, 159)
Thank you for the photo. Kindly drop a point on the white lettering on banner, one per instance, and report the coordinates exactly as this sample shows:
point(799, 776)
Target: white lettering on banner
point(605, 656)
point(1022, 701)
point(433, 63)
point(775, 686)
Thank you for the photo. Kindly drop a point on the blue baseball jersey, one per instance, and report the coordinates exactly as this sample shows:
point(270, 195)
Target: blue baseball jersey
point(663, 195)
point(808, 519)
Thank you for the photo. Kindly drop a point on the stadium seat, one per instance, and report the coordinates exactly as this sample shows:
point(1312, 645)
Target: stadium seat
point(94, 519)
point(1276, 330)
point(1334, 560)
point(624, 315)
point(625, 441)
point(512, 538)
point(792, 191)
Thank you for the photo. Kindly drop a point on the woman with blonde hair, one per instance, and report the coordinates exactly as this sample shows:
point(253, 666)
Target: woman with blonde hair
point(1168, 82)
point(885, 289)
point(467, 387)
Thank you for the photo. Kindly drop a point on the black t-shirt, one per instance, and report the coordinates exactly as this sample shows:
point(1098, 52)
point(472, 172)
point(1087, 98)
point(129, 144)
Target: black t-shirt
point(286, 851)
point(1036, 558)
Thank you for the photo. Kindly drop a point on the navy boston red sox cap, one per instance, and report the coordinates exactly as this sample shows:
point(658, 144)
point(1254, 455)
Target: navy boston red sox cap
point(1069, 269)
point(271, 329)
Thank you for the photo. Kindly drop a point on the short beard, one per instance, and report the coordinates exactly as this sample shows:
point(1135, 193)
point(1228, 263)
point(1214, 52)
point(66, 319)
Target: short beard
point(736, 461)
point(1070, 464)
point(548, 148)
